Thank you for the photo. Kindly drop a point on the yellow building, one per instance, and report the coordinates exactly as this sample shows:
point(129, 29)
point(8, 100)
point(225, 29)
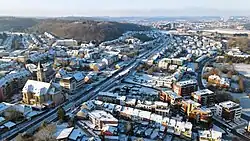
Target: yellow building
point(42, 94)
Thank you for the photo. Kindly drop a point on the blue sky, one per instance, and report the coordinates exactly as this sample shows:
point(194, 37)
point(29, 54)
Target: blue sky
point(120, 7)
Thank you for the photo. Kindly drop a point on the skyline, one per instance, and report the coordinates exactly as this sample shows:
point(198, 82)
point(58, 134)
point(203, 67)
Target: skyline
point(117, 8)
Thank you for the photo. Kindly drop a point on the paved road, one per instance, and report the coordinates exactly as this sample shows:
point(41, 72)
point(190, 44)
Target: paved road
point(200, 69)
point(52, 115)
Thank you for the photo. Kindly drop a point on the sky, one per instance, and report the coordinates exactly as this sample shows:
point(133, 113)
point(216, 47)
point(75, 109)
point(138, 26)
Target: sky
point(52, 8)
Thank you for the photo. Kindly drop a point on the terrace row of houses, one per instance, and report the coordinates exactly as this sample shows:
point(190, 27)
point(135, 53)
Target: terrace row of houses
point(100, 118)
point(12, 82)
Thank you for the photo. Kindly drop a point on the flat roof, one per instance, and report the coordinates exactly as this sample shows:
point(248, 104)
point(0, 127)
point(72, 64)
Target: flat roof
point(203, 92)
point(192, 102)
point(9, 124)
point(186, 82)
point(173, 94)
point(229, 104)
point(210, 134)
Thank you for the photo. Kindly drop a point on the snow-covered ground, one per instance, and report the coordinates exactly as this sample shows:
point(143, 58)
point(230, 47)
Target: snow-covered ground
point(216, 128)
point(243, 69)
point(244, 101)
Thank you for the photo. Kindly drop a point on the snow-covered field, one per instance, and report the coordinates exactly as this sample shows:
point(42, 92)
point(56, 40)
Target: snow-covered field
point(243, 69)
point(244, 101)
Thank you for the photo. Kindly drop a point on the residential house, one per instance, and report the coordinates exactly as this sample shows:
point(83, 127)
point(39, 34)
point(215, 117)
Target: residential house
point(108, 97)
point(98, 66)
point(164, 63)
point(219, 81)
point(12, 82)
point(209, 135)
point(101, 118)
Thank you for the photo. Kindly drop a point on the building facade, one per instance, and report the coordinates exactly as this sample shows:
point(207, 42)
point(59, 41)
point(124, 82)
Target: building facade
point(13, 82)
point(228, 111)
point(185, 88)
point(41, 94)
point(205, 97)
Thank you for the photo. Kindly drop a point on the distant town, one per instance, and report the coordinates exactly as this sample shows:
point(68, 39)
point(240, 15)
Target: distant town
point(180, 80)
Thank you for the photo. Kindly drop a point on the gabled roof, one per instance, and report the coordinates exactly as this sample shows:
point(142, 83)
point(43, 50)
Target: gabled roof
point(37, 87)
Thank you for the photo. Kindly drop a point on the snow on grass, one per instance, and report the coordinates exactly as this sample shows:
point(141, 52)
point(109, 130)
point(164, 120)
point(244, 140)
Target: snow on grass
point(243, 69)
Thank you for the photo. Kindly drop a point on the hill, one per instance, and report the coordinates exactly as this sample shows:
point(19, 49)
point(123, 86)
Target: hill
point(85, 30)
point(79, 28)
point(16, 24)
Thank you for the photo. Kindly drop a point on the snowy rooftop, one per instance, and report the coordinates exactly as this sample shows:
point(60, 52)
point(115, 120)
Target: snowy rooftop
point(160, 103)
point(187, 82)
point(36, 87)
point(127, 110)
point(172, 94)
point(188, 125)
point(102, 115)
point(65, 133)
point(189, 101)
point(156, 118)
point(172, 122)
point(78, 76)
point(210, 134)
point(9, 124)
point(75, 134)
point(4, 106)
point(2, 119)
point(203, 92)
point(14, 74)
point(108, 94)
point(229, 104)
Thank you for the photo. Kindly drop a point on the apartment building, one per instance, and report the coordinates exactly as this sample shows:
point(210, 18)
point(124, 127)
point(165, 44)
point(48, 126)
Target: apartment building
point(72, 82)
point(195, 112)
point(171, 97)
point(205, 97)
point(188, 106)
point(185, 88)
point(228, 111)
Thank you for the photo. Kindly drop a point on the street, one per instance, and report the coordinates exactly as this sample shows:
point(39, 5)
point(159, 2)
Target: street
point(81, 97)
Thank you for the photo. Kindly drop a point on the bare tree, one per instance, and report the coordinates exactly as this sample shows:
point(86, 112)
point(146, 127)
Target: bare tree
point(46, 133)
point(14, 115)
